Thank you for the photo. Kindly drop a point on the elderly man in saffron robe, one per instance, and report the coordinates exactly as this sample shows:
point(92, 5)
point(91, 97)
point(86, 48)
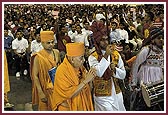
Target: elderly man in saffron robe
point(71, 89)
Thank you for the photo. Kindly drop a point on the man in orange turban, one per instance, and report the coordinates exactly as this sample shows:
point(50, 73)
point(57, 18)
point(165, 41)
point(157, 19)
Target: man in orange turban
point(71, 89)
point(42, 63)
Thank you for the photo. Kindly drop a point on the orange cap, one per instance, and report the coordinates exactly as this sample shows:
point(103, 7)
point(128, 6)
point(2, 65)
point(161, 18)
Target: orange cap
point(46, 35)
point(75, 49)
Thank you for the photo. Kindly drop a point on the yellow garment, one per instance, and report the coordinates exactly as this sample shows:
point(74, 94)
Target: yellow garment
point(115, 59)
point(46, 35)
point(6, 79)
point(75, 49)
point(46, 62)
point(146, 33)
point(66, 83)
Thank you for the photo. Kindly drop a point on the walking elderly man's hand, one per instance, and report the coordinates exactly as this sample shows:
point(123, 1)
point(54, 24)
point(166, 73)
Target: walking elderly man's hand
point(90, 75)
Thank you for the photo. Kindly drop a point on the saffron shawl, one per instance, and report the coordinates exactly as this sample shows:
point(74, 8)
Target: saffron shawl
point(66, 83)
point(46, 62)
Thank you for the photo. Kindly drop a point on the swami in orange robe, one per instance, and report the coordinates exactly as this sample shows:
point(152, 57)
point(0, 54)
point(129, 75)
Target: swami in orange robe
point(68, 81)
point(41, 63)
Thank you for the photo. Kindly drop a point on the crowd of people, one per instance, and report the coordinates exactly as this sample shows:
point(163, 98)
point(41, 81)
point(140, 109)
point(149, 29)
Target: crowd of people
point(87, 57)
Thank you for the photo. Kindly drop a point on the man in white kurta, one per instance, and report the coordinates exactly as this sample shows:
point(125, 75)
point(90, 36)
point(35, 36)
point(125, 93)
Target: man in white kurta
point(148, 70)
point(115, 101)
point(149, 64)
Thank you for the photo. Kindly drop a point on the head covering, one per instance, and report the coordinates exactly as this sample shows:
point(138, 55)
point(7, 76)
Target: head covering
point(46, 35)
point(75, 49)
point(99, 30)
point(155, 32)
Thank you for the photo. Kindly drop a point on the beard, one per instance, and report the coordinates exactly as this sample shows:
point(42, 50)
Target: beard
point(19, 38)
point(159, 44)
point(103, 47)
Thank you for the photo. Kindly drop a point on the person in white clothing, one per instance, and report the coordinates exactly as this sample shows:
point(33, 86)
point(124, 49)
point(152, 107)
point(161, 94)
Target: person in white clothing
point(81, 36)
point(123, 33)
point(110, 68)
point(20, 46)
point(89, 34)
point(36, 44)
point(90, 19)
point(99, 14)
point(115, 35)
point(148, 70)
point(86, 28)
point(72, 33)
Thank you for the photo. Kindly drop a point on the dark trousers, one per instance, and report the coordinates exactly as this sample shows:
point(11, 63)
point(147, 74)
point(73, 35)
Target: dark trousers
point(10, 60)
point(21, 63)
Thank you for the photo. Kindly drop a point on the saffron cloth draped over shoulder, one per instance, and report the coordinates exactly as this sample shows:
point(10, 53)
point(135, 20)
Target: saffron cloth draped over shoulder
point(44, 65)
point(66, 83)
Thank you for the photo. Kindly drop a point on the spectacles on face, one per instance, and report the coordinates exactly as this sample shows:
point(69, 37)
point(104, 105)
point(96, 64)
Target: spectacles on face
point(81, 58)
point(50, 42)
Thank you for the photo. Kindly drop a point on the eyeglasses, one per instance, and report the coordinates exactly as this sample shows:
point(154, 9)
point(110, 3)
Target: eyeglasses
point(81, 58)
point(50, 42)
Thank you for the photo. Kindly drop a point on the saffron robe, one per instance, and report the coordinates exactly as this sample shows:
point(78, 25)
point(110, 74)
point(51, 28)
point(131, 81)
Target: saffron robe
point(66, 83)
point(6, 79)
point(46, 62)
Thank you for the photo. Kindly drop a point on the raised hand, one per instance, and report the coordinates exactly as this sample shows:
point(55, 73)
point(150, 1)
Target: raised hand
point(90, 75)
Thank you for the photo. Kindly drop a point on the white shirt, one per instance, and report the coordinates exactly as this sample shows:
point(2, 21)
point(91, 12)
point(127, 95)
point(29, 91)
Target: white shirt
point(72, 35)
point(20, 45)
point(82, 38)
point(35, 46)
point(124, 35)
point(99, 16)
point(88, 32)
point(115, 35)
